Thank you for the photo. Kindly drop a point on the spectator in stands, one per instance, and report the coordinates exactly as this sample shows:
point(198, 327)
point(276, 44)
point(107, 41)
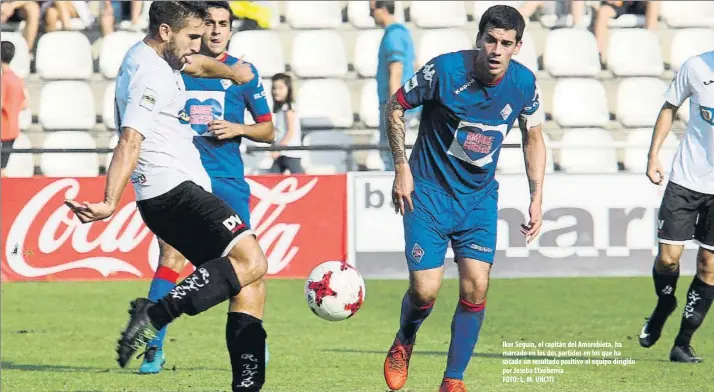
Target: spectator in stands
point(12, 100)
point(396, 63)
point(613, 10)
point(115, 12)
point(561, 8)
point(287, 126)
point(252, 15)
point(64, 12)
point(16, 11)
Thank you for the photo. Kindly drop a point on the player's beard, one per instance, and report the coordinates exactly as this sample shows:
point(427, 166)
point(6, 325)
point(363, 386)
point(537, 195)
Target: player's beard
point(171, 57)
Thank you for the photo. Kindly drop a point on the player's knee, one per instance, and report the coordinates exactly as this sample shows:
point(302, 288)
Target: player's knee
point(171, 258)
point(248, 258)
point(668, 258)
point(423, 295)
point(473, 293)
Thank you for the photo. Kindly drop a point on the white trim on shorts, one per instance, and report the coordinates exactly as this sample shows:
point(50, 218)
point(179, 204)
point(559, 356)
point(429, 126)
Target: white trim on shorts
point(234, 242)
point(670, 242)
point(702, 245)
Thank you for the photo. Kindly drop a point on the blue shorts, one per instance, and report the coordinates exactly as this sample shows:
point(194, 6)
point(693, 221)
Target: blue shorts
point(235, 192)
point(438, 218)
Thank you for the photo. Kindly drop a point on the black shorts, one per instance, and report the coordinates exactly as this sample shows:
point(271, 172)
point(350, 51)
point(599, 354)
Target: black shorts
point(627, 7)
point(5, 156)
point(686, 215)
point(195, 222)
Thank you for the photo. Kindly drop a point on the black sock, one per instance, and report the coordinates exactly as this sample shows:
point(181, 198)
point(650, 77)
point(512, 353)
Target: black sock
point(245, 339)
point(209, 285)
point(665, 287)
point(699, 299)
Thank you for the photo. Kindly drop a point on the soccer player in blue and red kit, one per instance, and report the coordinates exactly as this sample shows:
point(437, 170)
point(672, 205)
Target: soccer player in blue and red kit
point(215, 110)
point(447, 192)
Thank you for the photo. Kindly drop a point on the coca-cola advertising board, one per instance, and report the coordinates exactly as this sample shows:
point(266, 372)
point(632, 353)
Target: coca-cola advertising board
point(300, 221)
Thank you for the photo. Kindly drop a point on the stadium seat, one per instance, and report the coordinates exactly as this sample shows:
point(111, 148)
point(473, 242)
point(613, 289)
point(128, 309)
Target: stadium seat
point(511, 161)
point(480, 6)
point(325, 103)
point(57, 112)
point(687, 43)
point(262, 48)
point(682, 14)
point(634, 52)
point(25, 119)
point(20, 165)
point(373, 159)
point(367, 52)
point(635, 159)
point(436, 42)
point(571, 52)
point(319, 53)
point(144, 17)
point(313, 14)
point(528, 55)
point(580, 103)
point(358, 14)
point(369, 104)
point(20, 64)
point(589, 152)
point(114, 47)
point(82, 164)
point(108, 107)
point(326, 162)
point(64, 55)
point(438, 14)
point(639, 101)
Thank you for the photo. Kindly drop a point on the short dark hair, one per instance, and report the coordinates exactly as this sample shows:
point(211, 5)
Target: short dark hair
point(7, 51)
point(502, 17)
point(174, 14)
point(389, 5)
point(221, 4)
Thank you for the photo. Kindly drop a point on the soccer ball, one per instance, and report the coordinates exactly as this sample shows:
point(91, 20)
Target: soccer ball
point(334, 291)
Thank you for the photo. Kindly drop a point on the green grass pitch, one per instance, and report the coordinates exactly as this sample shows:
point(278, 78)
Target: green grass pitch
point(61, 336)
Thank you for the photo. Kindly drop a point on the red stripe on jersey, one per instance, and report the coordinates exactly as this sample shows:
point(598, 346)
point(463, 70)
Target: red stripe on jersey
point(402, 100)
point(264, 118)
point(222, 58)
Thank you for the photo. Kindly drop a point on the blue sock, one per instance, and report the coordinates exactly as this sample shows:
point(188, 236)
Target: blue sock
point(465, 328)
point(412, 317)
point(164, 280)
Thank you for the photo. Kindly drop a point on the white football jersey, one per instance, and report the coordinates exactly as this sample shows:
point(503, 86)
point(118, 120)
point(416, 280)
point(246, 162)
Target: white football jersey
point(693, 165)
point(150, 98)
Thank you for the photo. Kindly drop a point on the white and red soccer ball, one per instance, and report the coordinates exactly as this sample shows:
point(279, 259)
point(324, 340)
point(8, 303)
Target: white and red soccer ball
point(335, 291)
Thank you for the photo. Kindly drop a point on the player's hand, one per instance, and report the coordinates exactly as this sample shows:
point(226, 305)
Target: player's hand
point(90, 212)
point(654, 171)
point(532, 229)
point(223, 129)
point(403, 188)
point(242, 73)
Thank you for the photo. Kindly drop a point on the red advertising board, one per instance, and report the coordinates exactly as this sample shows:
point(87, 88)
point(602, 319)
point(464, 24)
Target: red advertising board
point(300, 221)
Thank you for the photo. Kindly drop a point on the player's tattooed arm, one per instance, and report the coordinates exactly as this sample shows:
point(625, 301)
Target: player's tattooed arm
point(396, 129)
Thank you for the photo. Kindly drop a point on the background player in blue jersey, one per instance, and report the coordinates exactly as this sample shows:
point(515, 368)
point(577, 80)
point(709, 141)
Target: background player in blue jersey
point(447, 191)
point(215, 109)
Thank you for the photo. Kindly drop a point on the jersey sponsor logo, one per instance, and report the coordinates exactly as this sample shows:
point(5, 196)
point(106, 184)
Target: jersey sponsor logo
point(417, 253)
point(465, 86)
point(476, 143)
point(506, 111)
point(413, 82)
point(707, 114)
point(198, 114)
point(226, 83)
point(708, 82)
point(259, 95)
point(138, 179)
point(233, 223)
point(481, 248)
point(429, 72)
point(148, 99)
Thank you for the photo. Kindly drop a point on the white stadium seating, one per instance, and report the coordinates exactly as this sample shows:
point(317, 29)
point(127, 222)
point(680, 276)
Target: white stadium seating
point(313, 14)
point(480, 6)
point(571, 52)
point(358, 14)
point(64, 55)
point(437, 42)
point(20, 64)
point(580, 103)
point(689, 42)
point(113, 141)
point(527, 55)
point(438, 14)
point(367, 52)
point(589, 151)
point(69, 164)
point(67, 105)
point(639, 101)
point(369, 104)
point(634, 52)
point(114, 47)
point(511, 161)
point(326, 162)
point(325, 103)
point(682, 14)
point(262, 48)
point(25, 119)
point(108, 107)
point(20, 165)
point(255, 162)
point(635, 160)
point(318, 53)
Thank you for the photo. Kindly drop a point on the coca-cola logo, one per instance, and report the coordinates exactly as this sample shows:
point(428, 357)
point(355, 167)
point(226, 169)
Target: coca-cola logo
point(125, 231)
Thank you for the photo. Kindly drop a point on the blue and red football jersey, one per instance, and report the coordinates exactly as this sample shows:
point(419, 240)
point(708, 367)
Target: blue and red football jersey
point(463, 122)
point(209, 99)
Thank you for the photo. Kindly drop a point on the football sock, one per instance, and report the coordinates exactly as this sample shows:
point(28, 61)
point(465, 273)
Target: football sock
point(164, 280)
point(209, 285)
point(665, 284)
point(699, 299)
point(465, 328)
point(412, 316)
point(245, 339)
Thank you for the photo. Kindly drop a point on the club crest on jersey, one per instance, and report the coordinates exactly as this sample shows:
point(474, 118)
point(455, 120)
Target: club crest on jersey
point(413, 82)
point(148, 99)
point(506, 111)
point(226, 83)
point(198, 114)
point(707, 114)
point(417, 252)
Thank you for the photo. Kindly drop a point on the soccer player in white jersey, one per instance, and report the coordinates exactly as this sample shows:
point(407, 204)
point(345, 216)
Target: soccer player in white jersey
point(687, 210)
point(173, 190)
